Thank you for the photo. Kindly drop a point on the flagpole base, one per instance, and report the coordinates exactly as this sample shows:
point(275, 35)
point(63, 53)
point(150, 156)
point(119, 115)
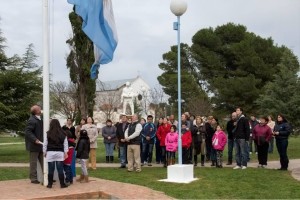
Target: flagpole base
point(180, 174)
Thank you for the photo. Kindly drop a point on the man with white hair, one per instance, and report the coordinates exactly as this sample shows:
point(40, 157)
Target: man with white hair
point(132, 136)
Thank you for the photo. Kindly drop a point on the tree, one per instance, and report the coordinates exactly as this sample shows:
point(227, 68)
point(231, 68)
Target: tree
point(3, 58)
point(190, 84)
point(235, 64)
point(79, 62)
point(64, 99)
point(20, 88)
point(199, 106)
point(281, 95)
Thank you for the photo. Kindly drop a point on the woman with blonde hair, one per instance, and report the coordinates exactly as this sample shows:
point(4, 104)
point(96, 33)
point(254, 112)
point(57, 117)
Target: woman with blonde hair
point(92, 131)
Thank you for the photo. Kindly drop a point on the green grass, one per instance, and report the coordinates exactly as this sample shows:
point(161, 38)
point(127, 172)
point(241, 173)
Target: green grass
point(212, 184)
point(9, 139)
point(13, 173)
point(17, 152)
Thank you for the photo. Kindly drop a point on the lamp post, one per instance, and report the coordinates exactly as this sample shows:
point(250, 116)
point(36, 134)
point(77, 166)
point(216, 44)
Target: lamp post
point(178, 8)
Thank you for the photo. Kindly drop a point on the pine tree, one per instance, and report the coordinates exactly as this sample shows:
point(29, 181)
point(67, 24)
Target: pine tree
point(79, 62)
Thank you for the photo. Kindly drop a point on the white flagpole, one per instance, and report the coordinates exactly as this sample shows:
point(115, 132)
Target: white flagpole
point(46, 77)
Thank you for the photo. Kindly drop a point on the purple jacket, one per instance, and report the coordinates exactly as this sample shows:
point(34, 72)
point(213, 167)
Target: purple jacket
point(171, 142)
point(261, 131)
point(219, 140)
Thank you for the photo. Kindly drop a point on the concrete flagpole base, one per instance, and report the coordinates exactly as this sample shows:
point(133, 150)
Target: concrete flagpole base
point(180, 174)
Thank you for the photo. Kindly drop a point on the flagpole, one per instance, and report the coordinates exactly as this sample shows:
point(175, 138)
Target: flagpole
point(46, 77)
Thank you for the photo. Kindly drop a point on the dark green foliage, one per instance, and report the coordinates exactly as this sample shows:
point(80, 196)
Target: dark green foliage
point(281, 95)
point(190, 86)
point(235, 64)
point(20, 88)
point(79, 62)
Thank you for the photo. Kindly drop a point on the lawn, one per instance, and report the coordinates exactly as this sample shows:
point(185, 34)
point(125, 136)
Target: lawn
point(212, 184)
point(17, 152)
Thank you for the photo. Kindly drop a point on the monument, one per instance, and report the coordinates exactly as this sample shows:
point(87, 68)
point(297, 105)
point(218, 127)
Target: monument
point(127, 98)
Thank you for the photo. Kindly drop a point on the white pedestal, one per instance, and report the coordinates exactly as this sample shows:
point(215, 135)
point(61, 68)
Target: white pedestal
point(180, 174)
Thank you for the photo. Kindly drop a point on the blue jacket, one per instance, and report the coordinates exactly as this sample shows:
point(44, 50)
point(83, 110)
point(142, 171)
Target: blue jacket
point(149, 130)
point(284, 130)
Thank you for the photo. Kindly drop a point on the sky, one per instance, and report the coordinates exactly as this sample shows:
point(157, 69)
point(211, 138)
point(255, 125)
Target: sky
point(145, 30)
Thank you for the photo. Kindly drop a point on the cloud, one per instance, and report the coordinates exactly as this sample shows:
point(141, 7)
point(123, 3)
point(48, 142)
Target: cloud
point(145, 30)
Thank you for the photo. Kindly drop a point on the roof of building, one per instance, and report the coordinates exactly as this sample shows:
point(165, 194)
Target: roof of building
point(112, 85)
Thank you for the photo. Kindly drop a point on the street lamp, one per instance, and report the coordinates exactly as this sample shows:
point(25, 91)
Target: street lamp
point(178, 8)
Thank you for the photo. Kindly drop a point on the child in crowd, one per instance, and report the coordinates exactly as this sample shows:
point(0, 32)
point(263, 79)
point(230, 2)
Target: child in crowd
point(83, 150)
point(171, 143)
point(68, 160)
point(186, 138)
point(219, 141)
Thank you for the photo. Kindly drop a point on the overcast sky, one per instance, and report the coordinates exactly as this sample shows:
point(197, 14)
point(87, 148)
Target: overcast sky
point(145, 30)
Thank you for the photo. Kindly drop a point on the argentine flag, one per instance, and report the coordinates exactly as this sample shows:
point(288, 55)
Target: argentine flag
point(99, 26)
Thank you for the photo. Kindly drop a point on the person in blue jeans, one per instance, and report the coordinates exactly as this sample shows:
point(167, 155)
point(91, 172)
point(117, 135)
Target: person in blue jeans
point(148, 140)
point(282, 131)
point(55, 149)
point(229, 128)
point(110, 139)
point(241, 134)
point(121, 127)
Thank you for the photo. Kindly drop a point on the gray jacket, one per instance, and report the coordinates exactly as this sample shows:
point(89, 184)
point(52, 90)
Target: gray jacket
point(33, 132)
point(109, 131)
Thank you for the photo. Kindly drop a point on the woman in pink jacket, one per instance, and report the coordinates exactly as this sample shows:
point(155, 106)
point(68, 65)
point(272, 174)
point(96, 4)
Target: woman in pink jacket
point(171, 143)
point(219, 141)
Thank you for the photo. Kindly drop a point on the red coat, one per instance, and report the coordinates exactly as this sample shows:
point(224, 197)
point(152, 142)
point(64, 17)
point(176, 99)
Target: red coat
point(162, 132)
point(186, 139)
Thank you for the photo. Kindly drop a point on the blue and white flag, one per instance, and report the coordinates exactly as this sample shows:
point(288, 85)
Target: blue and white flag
point(99, 25)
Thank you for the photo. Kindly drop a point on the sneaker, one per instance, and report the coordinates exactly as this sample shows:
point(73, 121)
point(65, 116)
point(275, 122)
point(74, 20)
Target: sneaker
point(138, 170)
point(149, 164)
point(244, 167)
point(250, 152)
point(256, 153)
point(263, 166)
point(259, 166)
point(237, 167)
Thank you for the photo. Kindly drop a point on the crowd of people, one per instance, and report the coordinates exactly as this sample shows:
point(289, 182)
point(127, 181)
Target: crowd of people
point(136, 140)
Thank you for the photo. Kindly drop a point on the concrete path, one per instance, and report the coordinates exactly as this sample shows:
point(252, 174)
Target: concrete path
point(95, 189)
point(11, 143)
point(294, 166)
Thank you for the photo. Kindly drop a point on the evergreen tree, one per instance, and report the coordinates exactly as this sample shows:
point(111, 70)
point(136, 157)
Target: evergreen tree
point(20, 88)
point(235, 64)
point(79, 62)
point(190, 85)
point(281, 95)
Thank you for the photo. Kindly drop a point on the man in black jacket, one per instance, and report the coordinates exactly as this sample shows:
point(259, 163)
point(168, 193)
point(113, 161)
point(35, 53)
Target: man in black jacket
point(241, 134)
point(229, 128)
point(33, 141)
point(121, 127)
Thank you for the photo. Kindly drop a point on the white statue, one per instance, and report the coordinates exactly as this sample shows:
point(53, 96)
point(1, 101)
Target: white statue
point(127, 98)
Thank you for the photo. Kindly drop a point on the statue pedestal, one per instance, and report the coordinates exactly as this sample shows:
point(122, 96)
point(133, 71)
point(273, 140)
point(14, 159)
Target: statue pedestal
point(180, 174)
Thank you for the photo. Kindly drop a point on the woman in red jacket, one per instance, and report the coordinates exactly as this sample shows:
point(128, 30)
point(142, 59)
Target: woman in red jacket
point(161, 134)
point(262, 134)
point(186, 139)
